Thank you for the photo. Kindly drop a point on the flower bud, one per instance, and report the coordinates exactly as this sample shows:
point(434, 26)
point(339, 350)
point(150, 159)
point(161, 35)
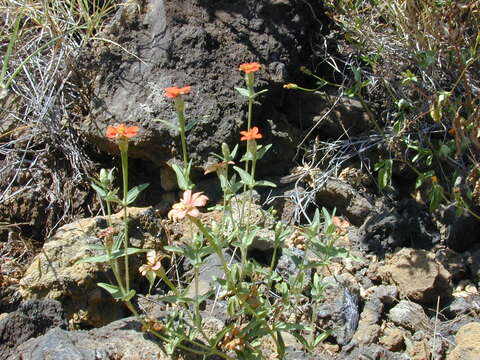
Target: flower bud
point(225, 152)
point(305, 70)
point(290, 86)
point(104, 180)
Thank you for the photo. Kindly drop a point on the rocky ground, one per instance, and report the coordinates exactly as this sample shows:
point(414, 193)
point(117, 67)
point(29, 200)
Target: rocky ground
point(413, 296)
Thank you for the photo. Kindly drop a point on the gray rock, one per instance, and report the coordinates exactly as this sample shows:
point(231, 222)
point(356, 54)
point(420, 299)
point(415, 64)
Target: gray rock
point(348, 114)
point(287, 267)
point(33, 318)
point(473, 263)
point(409, 225)
point(348, 201)
point(210, 269)
point(373, 352)
point(339, 311)
point(465, 305)
point(461, 230)
point(387, 294)
point(453, 262)
point(368, 329)
point(199, 44)
point(409, 315)
point(121, 339)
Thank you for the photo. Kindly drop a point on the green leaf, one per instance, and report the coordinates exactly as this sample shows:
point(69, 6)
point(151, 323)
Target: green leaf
point(130, 251)
point(93, 259)
point(259, 93)
point(247, 239)
point(283, 326)
point(322, 337)
point(175, 249)
point(112, 196)
point(384, 169)
point(245, 176)
point(262, 150)
point(243, 92)
point(183, 176)
point(151, 276)
point(435, 196)
point(134, 192)
point(191, 124)
point(114, 290)
point(128, 296)
point(99, 247)
point(265, 183)
point(102, 192)
point(169, 124)
point(175, 299)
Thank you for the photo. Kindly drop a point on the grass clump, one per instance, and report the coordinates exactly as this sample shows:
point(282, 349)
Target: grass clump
point(414, 66)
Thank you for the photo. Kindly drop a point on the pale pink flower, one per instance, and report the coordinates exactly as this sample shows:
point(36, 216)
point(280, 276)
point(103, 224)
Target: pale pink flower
point(187, 205)
point(154, 263)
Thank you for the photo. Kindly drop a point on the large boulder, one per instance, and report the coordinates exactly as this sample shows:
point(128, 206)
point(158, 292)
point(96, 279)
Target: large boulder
point(198, 43)
point(56, 274)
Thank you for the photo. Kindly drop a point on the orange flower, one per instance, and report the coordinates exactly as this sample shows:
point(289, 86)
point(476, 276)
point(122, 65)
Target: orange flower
point(252, 134)
point(187, 205)
point(174, 91)
point(250, 67)
point(121, 131)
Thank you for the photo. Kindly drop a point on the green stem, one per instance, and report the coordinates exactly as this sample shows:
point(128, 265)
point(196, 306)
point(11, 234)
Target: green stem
point(181, 120)
point(215, 247)
point(180, 108)
point(167, 281)
point(124, 156)
point(198, 320)
point(113, 263)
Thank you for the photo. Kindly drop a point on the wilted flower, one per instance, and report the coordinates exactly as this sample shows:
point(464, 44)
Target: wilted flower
point(121, 131)
point(232, 341)
point(107, 236)
point(174, 91)
point(152, 324)
point(217, 166)
point(250, 67)
point(187, 205)
point(252, 134)
point(154, 263)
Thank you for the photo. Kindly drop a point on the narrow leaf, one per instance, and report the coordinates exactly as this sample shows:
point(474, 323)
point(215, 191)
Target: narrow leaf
point(134, 192)
point(191, 124)
point(112, 289)
point(245, 176)
point(169, 124)
point(265, 183)
point(243, 92)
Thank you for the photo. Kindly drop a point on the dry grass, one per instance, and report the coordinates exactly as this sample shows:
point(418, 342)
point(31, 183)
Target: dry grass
point(38, 42)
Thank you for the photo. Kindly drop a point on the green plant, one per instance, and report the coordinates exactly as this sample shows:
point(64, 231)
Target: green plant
point(256, 295)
